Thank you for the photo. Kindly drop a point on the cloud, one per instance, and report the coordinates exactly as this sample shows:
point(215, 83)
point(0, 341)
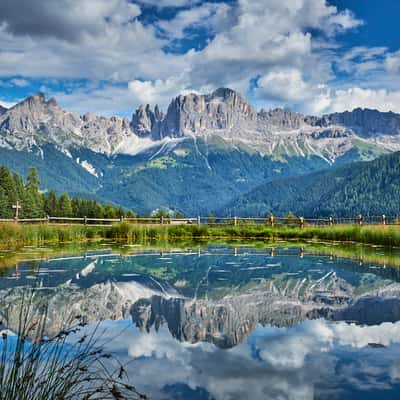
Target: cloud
point(287, 46)
point(392, 63)
point(169, 3)
point(295, 363)
point(284, 85)
point(210, 16)
point(266, 37)
point(19, 82)
point(158, 91)
point(64, 19)
point(348, 99)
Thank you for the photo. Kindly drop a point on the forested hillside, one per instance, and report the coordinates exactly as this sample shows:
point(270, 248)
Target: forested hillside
point(35, 204)
point(369, 188)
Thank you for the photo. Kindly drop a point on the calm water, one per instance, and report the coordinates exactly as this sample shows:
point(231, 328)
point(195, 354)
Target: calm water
point(232, 323)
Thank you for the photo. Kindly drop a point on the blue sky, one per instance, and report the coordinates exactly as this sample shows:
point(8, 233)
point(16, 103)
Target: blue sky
point(109, 56)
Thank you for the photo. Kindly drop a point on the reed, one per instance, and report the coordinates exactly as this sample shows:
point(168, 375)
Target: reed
point(14, 235)
point(34, 366)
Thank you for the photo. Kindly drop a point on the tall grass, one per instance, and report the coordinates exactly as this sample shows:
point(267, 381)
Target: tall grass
point(372, 234)
point(13, 235)
point(36, 367)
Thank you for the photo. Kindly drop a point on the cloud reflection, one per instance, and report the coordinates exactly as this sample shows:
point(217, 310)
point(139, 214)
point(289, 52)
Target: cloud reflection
point(313, 360)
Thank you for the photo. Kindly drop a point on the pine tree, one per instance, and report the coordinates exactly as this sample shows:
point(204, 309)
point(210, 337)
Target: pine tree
point(33, 202)
point(130, 214)
point(7, 183)
point(110, 211)
point(51, 206)
point(65, 206)
point(100, 211)
point(4, 206)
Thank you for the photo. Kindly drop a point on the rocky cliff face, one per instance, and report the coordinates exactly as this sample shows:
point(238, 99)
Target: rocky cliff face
point(2, 110)
point(223, 113)
point(364, 122)
point(147, 122)
point(224, 110)
point(35, 122)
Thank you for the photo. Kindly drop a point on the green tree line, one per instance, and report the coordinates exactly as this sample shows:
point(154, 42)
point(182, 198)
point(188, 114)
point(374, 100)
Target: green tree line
point(36, 204)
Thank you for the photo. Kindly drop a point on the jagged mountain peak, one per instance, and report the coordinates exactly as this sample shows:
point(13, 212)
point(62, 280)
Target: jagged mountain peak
point(37, 100)
point(223, 112)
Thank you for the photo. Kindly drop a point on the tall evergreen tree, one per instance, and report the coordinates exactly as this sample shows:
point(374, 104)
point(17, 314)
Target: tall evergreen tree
point(34, 204)
point(8, 185)
point(4, 206)
point(110, 211)
point(33, 199)
point(65, 206)
point(51, 205)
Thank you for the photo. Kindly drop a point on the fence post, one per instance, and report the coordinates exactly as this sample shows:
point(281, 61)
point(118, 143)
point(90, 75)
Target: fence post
point(48, 218)
point(271, 220)
point(121, 218)
point(360, 219)
point(85, 220)
point(198, 220)
point(161, 220)
point(330, 221)
point(235, 221)
point(383, 219)
point(301, 222)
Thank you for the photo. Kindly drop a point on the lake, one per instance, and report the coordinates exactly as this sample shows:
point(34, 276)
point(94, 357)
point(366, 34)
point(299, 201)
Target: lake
point(216, 321)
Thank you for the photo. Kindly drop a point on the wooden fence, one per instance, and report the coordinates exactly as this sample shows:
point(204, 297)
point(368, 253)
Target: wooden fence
point(210, 220)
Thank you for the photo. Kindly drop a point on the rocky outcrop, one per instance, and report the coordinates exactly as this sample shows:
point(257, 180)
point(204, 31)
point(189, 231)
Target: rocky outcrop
point(364, 122)
point(35, 122)
point(282, 119)
point(224, 110)
point(146, 122)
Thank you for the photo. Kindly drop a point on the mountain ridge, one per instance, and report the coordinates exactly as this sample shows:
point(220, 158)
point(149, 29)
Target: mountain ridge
point(224, 113)
point(369, 188)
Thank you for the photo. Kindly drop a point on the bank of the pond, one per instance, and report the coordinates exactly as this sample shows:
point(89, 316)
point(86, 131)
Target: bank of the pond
point(14, 235)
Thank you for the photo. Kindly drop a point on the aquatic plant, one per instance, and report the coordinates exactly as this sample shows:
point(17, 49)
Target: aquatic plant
point(70, 365)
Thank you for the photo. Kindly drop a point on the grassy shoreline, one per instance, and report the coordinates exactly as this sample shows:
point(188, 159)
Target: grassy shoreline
point(15, 235)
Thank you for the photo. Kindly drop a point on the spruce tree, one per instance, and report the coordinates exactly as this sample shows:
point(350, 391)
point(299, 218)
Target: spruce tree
point(8, 185)
point(65, 206)
point(4, 206)
point(33, 199)
point(110, 211)
point(51, 206)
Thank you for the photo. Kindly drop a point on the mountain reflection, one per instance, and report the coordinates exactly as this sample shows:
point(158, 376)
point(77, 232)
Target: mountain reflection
point(229, 321)
point(229, 325)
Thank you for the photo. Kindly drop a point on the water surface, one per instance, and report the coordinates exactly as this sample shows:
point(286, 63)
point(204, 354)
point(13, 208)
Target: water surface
point(231, 322)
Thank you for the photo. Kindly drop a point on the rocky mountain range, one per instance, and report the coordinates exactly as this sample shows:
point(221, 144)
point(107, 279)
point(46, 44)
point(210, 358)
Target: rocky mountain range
point(204, 147)
point(224, 113)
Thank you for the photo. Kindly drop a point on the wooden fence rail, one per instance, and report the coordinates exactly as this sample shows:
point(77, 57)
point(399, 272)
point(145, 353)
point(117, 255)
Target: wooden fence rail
point(211, 220)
